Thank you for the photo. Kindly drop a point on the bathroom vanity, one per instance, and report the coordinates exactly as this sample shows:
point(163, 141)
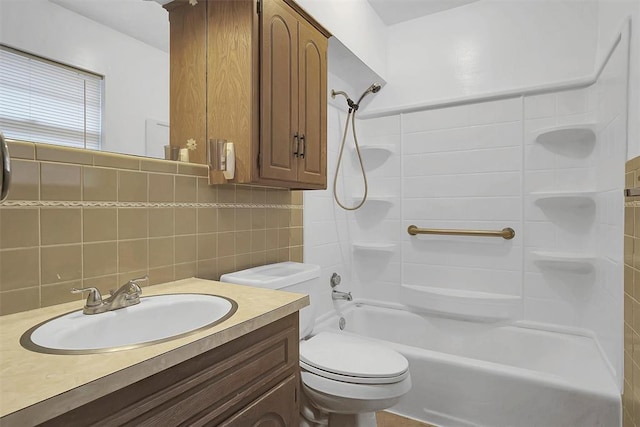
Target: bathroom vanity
point(236, 373)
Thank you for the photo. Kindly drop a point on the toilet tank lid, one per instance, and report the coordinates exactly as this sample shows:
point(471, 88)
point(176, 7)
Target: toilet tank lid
point(274, 276)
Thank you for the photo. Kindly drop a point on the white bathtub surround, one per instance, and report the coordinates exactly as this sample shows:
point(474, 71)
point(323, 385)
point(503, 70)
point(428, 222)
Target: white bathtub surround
point(470, 374)
point(462, 169)
point(574, 207)
point(550, 166)
point(326, 232)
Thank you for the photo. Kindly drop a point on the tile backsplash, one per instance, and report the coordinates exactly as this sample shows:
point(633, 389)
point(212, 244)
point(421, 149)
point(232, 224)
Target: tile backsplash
point(81, 218)
point(631, 395)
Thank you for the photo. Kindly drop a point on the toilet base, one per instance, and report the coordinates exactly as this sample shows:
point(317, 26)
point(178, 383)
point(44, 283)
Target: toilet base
point(364, 419)
point(313, 414)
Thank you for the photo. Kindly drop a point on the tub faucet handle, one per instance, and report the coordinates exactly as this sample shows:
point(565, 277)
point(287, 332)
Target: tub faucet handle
point(335, 280)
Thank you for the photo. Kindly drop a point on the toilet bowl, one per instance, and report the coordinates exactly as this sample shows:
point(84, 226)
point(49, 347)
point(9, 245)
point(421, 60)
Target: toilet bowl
point(345, 379)
point(350, 378)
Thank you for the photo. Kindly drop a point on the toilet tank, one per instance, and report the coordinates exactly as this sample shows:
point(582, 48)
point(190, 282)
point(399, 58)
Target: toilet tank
point(284, 276)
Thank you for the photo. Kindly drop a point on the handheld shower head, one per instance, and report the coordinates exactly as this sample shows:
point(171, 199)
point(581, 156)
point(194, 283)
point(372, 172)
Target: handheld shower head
point(374, 88)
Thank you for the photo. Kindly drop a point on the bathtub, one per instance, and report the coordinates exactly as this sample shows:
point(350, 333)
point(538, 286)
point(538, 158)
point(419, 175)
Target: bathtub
point(495, 375)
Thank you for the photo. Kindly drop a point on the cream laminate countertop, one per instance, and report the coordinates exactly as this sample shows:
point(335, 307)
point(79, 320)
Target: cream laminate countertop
point(35, 387)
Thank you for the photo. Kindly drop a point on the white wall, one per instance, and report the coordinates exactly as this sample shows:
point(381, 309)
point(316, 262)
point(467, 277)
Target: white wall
point(326, 232)
point(357, 26)
point(487, 47)
point(136, 74)
point(611, 16)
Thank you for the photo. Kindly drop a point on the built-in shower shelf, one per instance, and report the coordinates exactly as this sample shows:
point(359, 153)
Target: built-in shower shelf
point(377, 200)
point(569, 134)
point(565, 261)
point(569, 199)
point(381, 247)
point(471, 305)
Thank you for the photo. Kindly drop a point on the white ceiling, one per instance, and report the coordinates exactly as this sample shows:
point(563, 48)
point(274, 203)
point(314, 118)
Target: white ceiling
point(148, 22)
point(395, 11)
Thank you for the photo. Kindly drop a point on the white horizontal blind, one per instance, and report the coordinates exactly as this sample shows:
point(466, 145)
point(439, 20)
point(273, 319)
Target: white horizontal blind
point(43, 101)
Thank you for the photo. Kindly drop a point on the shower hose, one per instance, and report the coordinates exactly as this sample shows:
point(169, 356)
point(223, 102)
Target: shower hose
point(351, 115)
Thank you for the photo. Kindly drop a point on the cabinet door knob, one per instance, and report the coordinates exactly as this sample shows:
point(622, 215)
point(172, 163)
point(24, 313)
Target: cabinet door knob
point(304, 146)
point(296, 140)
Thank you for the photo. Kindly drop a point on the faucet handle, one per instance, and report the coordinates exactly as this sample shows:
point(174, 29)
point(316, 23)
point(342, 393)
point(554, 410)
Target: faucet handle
point(134, 286)
point(93, 299)
point(137, 281)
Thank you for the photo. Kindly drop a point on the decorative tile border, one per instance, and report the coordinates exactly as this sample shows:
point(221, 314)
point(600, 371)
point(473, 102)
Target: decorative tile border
point(91, 204)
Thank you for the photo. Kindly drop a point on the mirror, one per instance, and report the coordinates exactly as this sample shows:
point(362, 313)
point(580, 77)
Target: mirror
point(126, 41)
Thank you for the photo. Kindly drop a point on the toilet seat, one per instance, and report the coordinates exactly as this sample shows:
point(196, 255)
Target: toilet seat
point(349, 391)
point(349, 359)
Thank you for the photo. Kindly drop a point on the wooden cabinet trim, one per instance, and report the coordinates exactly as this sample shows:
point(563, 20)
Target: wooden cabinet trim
point(307, 17)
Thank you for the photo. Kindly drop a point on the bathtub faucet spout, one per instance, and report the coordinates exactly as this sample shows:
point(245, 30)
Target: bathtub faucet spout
point(337, 295)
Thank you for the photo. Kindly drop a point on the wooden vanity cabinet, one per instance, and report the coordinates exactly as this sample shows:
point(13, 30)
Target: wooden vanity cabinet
point(259, 79)
point(250, 381)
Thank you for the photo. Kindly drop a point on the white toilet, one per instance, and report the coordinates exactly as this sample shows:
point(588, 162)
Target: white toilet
point(345, 380)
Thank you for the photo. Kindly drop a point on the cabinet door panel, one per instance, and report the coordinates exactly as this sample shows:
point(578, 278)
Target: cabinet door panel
point(230, 82)
point(274, 409)
point(279, 102)
point(187, 100)
point(313, 101)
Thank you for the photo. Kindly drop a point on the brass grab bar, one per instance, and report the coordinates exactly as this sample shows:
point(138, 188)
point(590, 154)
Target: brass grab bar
point(506, 233)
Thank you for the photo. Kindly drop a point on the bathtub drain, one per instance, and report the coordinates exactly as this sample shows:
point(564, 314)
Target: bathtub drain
point(342, 323)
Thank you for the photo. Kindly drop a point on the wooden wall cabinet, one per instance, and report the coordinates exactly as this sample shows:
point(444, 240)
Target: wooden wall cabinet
point(251, 381)
point(255, 73)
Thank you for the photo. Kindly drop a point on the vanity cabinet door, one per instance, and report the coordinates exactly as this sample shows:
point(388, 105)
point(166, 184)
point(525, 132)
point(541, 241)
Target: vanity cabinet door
point(293, 141)
point(313, 105)
point(279, 136)
point(273, 409)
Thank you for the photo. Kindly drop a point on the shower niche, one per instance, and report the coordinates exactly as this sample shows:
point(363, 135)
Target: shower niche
point(574, 262)
point(570, 140)
point(572, 211)
point(375, 156)
point(461, 304)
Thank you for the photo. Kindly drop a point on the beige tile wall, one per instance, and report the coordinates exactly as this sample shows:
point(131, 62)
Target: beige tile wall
point(81, 218)
point(631, 396)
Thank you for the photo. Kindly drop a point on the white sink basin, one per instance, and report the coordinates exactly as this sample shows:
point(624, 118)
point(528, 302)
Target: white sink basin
point(156, 319)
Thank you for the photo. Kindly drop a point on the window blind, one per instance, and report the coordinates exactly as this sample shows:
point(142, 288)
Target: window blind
point(43, 101)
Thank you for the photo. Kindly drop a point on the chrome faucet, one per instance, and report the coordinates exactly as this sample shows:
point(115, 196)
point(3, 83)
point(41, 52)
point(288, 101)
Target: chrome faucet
point(337, 295)
point(127, 295)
